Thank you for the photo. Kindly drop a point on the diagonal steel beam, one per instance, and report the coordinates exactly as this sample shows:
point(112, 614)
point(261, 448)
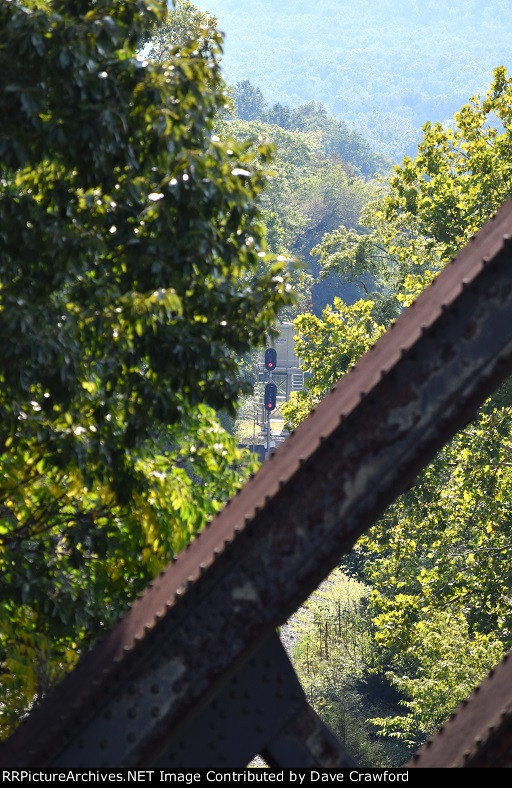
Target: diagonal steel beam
point(286, 530)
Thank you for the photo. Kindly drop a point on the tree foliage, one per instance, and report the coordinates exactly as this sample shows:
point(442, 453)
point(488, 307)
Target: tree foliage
point(183, 25)
point(131, 279)
point(332, 136)
point(439, 561)
point(328, 346)
point(309, 193)
point(432, 205)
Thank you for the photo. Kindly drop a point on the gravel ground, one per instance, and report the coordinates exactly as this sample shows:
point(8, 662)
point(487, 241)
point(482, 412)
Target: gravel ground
point(288, 638)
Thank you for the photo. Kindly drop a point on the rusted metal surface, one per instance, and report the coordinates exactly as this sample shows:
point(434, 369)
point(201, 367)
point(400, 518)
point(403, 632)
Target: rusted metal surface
point(479, 732)
point(264, 697)
point(206, 616)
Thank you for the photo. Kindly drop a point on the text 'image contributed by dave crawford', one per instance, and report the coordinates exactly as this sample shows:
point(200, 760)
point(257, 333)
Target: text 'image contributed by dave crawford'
point(296, 777)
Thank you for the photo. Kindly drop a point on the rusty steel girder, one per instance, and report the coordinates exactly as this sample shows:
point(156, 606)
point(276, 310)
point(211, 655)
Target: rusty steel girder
point(192, 637)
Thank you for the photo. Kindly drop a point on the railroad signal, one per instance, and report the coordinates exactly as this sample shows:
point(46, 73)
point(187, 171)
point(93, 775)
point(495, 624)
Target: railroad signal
point(270, 396)
point(270, 358)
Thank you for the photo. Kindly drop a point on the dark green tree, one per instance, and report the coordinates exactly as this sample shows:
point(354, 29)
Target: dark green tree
point(130, 282)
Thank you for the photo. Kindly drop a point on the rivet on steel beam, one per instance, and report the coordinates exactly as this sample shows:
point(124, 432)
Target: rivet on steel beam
point(478, 742)
point(507, 239)
point(467, 756)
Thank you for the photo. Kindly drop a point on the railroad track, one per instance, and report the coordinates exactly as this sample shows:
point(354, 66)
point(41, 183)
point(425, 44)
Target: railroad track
point(194, 674)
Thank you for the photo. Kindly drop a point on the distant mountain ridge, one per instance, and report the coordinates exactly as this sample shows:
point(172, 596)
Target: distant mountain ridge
point(383, 66)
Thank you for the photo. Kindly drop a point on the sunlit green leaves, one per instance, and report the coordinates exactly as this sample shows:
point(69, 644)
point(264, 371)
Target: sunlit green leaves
point(453, 663)
point(328, 347)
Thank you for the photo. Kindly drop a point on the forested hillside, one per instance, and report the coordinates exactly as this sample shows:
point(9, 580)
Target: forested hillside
point(383, 66)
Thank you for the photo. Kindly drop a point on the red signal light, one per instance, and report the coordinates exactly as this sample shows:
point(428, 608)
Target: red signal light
point(270, 358)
